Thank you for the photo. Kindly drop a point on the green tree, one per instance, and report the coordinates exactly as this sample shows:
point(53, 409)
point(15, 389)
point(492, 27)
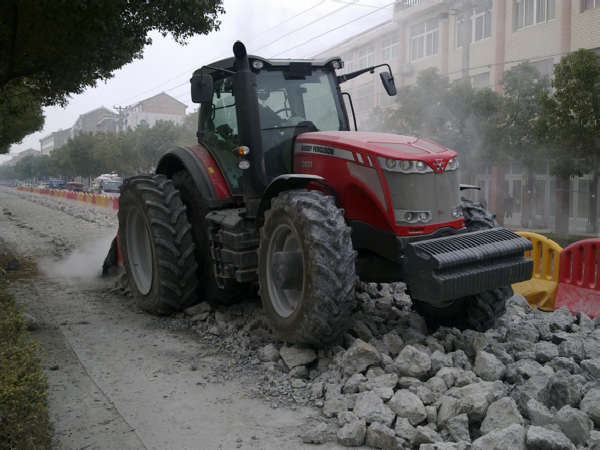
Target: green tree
point(81, 157)
point(154, 142)
point(7, 172)
point(569, 125)
point(513, 134)
point(23, 168)
point(59, 162)
point(50, 50)
point(20, 115)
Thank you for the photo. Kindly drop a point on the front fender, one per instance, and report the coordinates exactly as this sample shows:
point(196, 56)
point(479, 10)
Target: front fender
point(282, 183)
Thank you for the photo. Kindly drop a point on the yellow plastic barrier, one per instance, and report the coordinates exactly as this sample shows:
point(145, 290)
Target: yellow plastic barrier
point(541, 290)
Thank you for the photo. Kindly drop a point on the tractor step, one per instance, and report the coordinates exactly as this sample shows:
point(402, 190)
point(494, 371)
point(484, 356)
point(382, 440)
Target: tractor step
point(457, 266)
point(233, 245)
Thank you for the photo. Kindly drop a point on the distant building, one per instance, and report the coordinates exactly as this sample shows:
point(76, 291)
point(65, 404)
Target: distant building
point(147, 112)
point(16, 158)
point(54, 140)
point(88, 122)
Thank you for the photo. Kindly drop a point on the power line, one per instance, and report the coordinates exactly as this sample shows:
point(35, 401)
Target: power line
point(337, 28)
point(225, 53)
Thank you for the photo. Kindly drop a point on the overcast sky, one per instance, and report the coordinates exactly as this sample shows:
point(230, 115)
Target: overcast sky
point(269, 28)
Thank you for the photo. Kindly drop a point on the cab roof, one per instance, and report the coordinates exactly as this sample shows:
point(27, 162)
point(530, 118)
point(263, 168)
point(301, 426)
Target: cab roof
point(229, 63)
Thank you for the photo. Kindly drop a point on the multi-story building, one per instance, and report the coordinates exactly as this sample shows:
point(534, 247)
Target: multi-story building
point(147, 112)
point(88, 122)
point(501, 34)
point(54, 140)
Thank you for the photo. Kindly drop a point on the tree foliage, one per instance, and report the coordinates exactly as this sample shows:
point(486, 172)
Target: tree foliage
point(50, 50)
point(514, 133)
point(569, 124)
point(20, 115)
point(89, 155)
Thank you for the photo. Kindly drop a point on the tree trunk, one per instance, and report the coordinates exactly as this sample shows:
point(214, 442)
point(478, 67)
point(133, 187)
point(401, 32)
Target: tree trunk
point(498, 194)
point(527, 200)
point(592, 225)
point(561, 221)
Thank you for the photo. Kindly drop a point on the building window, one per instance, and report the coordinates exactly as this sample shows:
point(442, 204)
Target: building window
point(389, 48)
point(533, 12)
point(366, 58)
point(545, 66)
point(481, 26)
point(365, 98)
point(424, 39)
point(589, 4)
point(480, 81)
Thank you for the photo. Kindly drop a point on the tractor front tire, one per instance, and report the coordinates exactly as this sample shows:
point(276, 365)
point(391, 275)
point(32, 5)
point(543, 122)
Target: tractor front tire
point(479, 311)
point(307, 227)
point(157, 246)
point(196, 209)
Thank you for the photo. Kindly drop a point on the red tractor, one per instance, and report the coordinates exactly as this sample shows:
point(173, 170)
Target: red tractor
point(279, 191)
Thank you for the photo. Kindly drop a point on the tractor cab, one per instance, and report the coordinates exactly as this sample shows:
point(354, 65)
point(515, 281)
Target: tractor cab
point(294, 97)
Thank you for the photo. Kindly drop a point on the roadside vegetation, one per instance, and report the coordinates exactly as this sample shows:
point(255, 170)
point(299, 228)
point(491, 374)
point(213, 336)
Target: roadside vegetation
point(24, 420)
point(132, 152)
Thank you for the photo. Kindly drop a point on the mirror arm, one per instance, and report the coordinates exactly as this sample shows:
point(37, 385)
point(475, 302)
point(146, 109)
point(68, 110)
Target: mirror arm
point(228, 72)
point(343, 78)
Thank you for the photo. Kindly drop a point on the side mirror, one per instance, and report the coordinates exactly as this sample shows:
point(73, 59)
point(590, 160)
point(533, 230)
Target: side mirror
point(388, 83)
point(202, 88)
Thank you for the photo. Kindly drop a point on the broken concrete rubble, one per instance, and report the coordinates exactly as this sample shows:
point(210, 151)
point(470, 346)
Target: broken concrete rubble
point(389, 380)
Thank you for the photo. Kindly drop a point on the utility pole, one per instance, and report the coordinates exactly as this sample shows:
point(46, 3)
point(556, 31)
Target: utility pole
point(121, 115)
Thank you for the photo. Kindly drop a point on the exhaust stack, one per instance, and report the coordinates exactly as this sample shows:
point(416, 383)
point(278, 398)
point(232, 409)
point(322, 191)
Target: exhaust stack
point(249, 132)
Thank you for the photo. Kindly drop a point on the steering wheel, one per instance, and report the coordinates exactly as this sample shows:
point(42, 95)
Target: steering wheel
point(292, 112)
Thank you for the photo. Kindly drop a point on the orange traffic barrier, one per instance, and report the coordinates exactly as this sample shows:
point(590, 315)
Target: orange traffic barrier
point(540, 291)
point(579, 289)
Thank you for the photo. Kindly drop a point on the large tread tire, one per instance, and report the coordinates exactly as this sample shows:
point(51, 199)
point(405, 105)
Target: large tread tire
point(318, 314)
point(208, 290)
point(157, 245)
point(479, 311)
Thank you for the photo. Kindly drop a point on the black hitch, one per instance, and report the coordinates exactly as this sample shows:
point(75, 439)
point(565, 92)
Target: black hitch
point(452, 267)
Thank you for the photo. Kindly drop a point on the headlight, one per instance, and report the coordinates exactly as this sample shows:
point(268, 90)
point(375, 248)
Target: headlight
point(335, 65)
point(408, 216)
point(421, 166)
point(390, 163)
point(451, 164)
point(423, 216)
point(457, 211)
point(257, 64)
point(244, 164)
point(406, 165)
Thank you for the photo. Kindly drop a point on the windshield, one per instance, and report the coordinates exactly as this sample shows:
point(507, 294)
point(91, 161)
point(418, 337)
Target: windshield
point(284, 103)
point(112, 186)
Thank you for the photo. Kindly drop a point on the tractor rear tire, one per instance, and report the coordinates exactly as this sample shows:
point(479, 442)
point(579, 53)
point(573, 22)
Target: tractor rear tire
point(157, 246)
point(479, 311)
point(208, 290)
point(307, 224)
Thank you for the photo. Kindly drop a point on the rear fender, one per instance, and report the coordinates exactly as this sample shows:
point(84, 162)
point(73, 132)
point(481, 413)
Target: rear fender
point(204, 170)
point(278, 185)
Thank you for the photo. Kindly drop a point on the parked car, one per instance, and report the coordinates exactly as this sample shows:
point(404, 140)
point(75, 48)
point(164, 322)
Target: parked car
point(58, 184)
point(77, 187)
point(112, 188)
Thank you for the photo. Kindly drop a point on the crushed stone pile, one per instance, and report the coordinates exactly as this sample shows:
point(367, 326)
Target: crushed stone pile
point(530, 383)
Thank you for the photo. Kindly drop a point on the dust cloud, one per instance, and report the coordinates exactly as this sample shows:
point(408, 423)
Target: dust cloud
point(82, 263)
